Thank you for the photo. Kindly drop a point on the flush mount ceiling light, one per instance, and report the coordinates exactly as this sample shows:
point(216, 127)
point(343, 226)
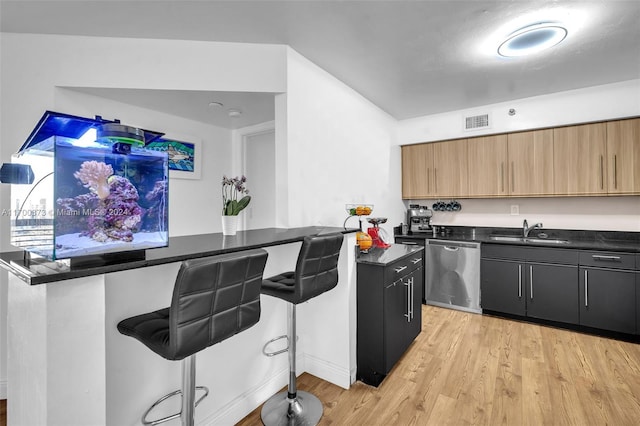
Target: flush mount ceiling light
point(532, 39)
point(233, 112)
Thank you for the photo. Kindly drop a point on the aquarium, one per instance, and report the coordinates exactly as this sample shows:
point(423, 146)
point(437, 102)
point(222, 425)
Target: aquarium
point(91, 188)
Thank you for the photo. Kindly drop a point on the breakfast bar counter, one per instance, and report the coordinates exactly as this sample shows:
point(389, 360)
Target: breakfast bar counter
point(41, 271)
point(67, 363)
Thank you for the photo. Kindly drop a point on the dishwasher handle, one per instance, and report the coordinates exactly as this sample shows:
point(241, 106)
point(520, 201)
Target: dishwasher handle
point(452, 245)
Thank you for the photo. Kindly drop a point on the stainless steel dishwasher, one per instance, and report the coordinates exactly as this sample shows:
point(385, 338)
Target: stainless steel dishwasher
point(452, 275)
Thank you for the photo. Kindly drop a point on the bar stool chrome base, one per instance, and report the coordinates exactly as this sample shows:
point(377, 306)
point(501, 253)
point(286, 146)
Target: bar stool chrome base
point(279, 410)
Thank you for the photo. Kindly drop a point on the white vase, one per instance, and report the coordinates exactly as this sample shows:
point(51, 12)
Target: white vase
point(229, 225)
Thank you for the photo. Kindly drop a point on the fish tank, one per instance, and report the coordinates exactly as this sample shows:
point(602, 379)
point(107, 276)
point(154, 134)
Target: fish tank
point(86, 187)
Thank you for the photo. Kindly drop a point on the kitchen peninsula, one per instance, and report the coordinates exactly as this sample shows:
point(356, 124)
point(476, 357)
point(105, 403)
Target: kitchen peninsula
point(67, 364)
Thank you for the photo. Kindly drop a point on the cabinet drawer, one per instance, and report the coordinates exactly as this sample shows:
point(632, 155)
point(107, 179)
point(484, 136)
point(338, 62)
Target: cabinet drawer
point(402, 267)
point(552, 255)
point(410, 241)
point(605, 259)
point(503, 251)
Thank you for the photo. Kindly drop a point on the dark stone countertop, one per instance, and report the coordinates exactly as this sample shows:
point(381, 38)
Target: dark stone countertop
point(41, 271)
point(380, 256)
point(577, 239)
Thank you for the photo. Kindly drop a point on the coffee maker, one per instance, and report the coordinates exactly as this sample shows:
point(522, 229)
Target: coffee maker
point(419, 219)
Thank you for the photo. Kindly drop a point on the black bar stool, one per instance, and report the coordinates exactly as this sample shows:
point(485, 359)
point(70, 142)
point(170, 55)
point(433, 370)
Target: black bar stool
point(213, 299)
point(316, 272)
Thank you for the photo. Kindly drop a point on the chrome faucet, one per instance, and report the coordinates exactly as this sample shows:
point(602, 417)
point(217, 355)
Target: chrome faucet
point(526, 228)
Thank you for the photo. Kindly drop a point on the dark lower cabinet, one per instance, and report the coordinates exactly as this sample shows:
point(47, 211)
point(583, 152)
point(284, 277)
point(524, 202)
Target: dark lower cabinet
point(608, 299)
point(389, 314)
point(401, 325)
point(516, 286)
point(502, 286)
point(587, 288)
point(552, 292)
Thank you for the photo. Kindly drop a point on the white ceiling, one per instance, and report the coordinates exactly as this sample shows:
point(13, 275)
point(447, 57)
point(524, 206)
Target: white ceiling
point(411, 58)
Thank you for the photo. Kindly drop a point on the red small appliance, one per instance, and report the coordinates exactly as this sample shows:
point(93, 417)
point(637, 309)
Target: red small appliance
point(378, 235)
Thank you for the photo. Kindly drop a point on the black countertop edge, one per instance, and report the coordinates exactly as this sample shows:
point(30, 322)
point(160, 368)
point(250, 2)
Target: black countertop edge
point(578, 239)
point(41, 271)
point(382, 256)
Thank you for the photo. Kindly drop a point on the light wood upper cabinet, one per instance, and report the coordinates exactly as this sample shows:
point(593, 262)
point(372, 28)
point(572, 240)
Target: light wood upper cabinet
point(417, 171)
point(531, 163)
point(488, 166)
point(450, 169)
point(579, 159)
point(587, 159)
point(623, 156)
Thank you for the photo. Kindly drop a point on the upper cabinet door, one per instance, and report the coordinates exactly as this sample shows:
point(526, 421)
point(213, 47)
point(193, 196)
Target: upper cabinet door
point(450, 169)
point(579, 158)
point(531, 163)
point(623, 155)
point(417, 171)
point(488, 166)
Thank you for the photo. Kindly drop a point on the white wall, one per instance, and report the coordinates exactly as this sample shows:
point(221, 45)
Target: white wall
point(340, 150)
point(576, 106)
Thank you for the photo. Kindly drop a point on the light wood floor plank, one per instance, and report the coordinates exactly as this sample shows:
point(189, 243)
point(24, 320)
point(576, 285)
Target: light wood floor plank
point(476, 369)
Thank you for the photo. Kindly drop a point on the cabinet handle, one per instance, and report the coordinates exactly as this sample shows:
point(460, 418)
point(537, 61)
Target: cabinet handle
point(502, 175)
point(513, 179)
point(411, 302)
point(601, 172)
point(603, 257)
point(409, 243)
point(586, 288)
point(519, 281)
point(435, 179)
point(615, 171)
point(531, 280)
point(400, 269)
point(408, 314)
point(416, 260)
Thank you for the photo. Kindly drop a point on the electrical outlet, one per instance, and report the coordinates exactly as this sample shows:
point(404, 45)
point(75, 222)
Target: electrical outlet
point(515, 210)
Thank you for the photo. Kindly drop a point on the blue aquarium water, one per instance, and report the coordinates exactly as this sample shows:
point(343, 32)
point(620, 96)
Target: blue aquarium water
point(87, 200)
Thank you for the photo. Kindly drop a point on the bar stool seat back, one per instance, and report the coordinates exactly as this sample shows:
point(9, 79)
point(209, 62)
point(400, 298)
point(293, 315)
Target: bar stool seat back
point(316, 271)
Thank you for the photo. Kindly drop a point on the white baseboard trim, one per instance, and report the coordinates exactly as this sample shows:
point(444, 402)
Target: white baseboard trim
point(245, 403)
point(328, 371)
point(3, 389)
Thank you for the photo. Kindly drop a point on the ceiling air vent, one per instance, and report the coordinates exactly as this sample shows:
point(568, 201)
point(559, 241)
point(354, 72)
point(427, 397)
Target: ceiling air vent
point(476, 122)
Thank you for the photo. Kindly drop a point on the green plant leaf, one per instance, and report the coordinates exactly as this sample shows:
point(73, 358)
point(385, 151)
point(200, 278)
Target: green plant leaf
point(231, 208)
point(244, 202)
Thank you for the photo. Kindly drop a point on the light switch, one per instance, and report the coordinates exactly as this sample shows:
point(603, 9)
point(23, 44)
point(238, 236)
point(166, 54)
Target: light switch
point(515, 210)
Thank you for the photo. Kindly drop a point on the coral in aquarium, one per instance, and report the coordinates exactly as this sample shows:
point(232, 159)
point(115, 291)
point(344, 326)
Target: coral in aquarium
point(121, 213)
point(94, 175)
point(116, 217)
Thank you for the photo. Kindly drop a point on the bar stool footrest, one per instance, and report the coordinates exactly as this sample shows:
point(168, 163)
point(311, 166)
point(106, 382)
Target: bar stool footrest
point(172, 416)
point(278, 352)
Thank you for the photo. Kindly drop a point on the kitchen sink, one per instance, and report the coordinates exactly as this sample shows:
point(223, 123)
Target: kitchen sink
point(534, 240)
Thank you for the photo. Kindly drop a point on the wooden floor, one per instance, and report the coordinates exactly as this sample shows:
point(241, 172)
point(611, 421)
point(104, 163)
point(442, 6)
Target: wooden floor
point(3, 412)
point(474, 369)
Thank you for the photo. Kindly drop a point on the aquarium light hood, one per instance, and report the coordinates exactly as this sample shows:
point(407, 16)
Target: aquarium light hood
point(71, 126)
